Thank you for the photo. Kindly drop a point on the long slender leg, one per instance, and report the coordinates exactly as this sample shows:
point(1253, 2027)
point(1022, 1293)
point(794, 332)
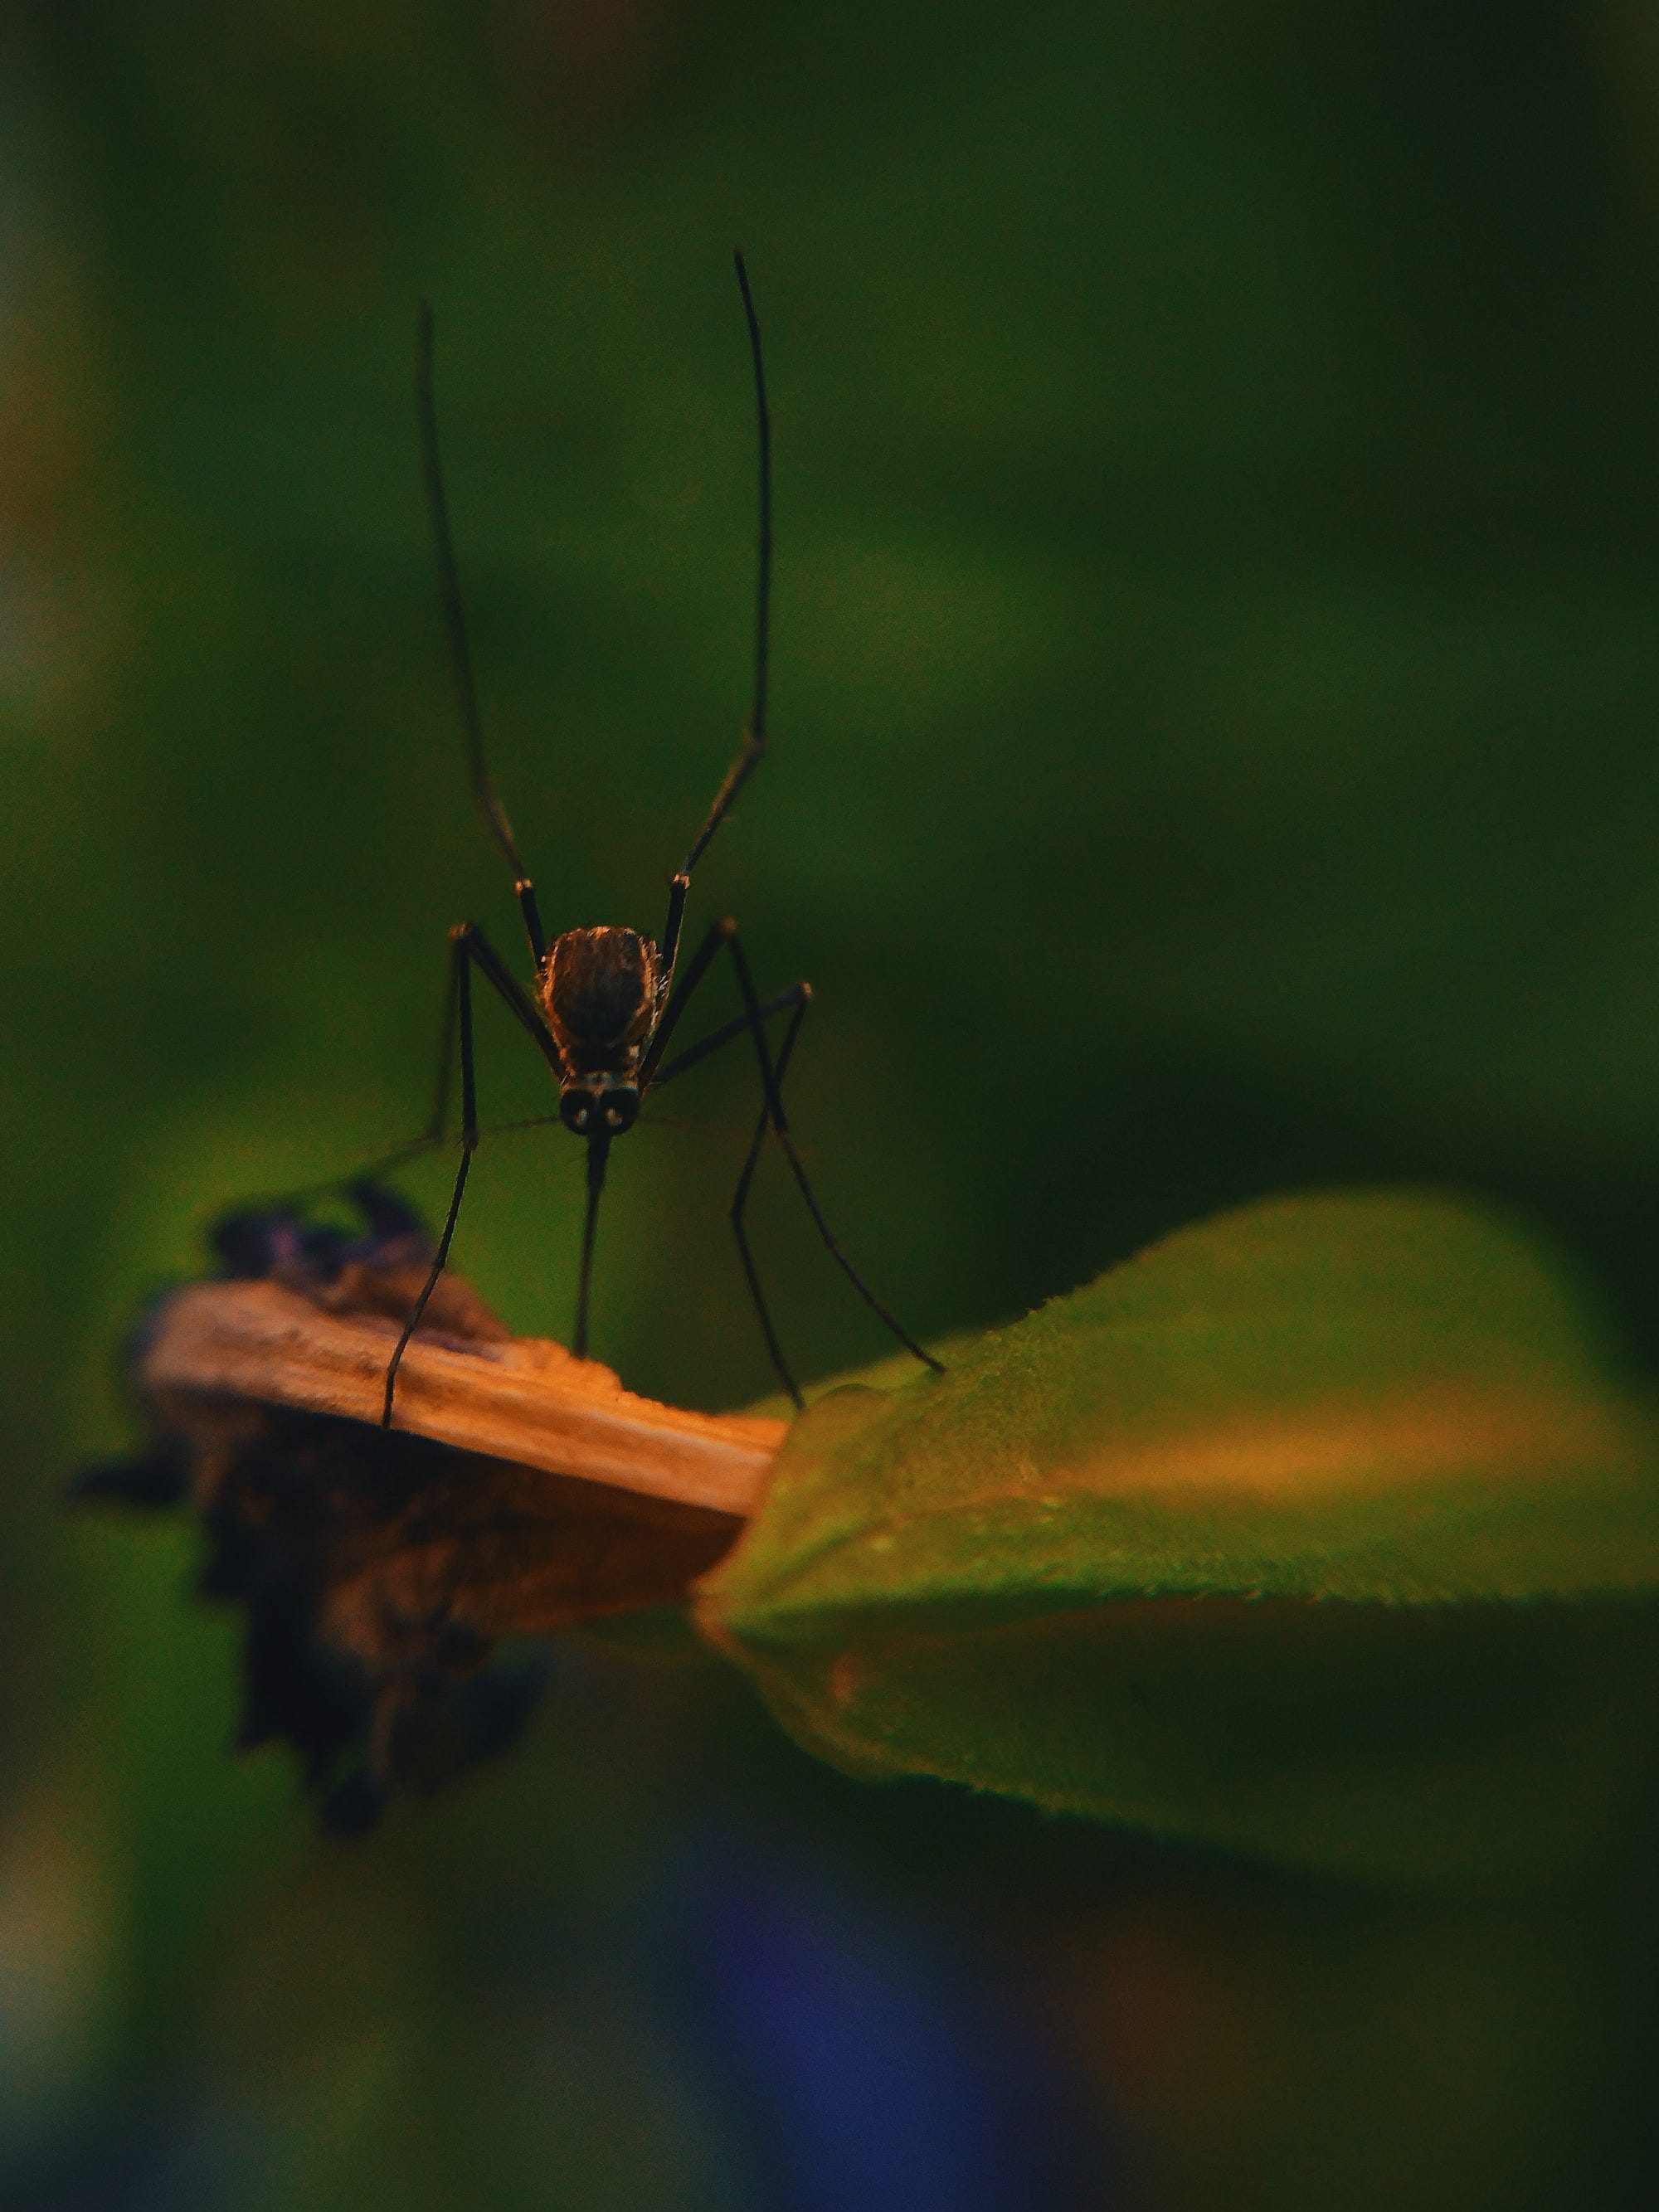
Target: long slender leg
point(724, 933)
point(432, 1134)
point(507, 988)
point(770, 1084)
point(469, 1144)
point(370, 1170)
point(740, 1201)
point(469, 947)
point(460, 655)
point(507, 985)
point(798, 996)
point(439, 1115)
point(725, 1034)
point(599, 1150)
point(754, 737)
point(680, 998)
point(294, 1199)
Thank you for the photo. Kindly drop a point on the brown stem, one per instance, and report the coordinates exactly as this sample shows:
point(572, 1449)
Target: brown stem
point(518, 1399)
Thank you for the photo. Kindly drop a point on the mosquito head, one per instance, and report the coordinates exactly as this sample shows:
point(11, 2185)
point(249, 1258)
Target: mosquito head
point(599, 990)
point(587, 1109)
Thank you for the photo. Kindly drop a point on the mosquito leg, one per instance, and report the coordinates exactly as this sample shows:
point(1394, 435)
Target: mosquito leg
point(697, 967)
point(439, 1115)
point(463, 970)
point(432, 1134)
point(798, 996)
point(803, 996)
point(754, 737)
point(598, 1150)
point(294, 1200)
point(469, 948)
point(507, 987)
point(460, 655)
point(770, 1084)
point(502, 981)
point(753, 1019)
point(653, 1075)
point(726, 1032)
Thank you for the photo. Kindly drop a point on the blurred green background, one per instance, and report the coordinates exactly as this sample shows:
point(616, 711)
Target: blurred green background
point(1215, 678)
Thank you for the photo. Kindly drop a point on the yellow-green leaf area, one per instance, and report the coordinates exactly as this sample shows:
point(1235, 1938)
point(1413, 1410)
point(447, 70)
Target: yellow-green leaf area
point(1325, 1527)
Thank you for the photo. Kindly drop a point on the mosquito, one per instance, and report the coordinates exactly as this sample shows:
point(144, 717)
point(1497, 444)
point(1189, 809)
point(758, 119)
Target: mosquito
point(604, 1003)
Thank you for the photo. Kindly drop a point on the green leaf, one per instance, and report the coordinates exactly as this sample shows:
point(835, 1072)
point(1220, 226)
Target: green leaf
point(1325, 1530)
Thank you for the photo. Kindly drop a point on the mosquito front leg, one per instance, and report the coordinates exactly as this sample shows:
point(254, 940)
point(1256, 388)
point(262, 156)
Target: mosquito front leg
point(460, 652)
point(754, 737)
point(469, 948)
point(680, 998)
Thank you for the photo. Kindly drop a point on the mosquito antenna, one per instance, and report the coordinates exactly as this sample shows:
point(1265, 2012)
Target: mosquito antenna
point(449, 594)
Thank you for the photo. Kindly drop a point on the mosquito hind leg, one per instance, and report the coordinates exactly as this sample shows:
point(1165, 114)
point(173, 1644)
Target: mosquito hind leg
point(739, 1204)
point(771, 1085)
point(753, 1019)
point(753, 748)
point(797, 997)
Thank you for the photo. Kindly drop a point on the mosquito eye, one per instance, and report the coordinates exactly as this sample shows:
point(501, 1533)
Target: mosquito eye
point(574, 1107)
point(613, 1117)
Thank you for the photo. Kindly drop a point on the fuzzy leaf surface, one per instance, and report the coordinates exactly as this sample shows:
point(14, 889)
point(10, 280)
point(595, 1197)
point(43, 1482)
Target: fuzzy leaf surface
point(1326, 1529)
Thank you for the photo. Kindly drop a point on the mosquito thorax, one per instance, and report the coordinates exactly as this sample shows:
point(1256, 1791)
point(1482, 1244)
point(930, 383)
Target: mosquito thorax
point(598, 991)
